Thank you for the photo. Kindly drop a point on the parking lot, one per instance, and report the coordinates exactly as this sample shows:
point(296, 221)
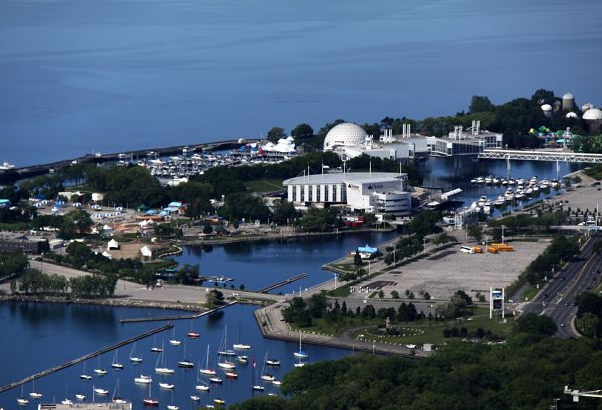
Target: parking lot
point(442, 274)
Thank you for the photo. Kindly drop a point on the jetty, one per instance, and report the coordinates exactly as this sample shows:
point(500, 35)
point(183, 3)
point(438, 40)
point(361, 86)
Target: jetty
point(181, 317)
point(284, 282)
point(86, 357)
point(96, 158)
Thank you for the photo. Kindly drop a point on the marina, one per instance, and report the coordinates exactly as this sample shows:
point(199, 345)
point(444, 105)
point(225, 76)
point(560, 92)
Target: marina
point(184, 379)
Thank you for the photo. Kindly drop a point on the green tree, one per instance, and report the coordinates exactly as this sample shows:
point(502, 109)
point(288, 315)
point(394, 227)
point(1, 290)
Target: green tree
point(475, 231)
point(275, 133)
point(535, 324)
point(302, 131)
point(480, 104)
point(357, 259)
point(214, 298)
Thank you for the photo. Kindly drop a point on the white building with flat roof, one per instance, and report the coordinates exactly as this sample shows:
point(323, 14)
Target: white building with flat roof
point(366, 191)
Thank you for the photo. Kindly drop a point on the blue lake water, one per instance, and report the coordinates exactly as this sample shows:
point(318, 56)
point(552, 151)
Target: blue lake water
point(84, 76)
point(451, 173)
point(35, 337)
point(261, 264)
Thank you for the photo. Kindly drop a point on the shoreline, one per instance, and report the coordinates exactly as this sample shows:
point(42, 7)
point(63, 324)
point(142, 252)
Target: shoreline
point(287, 237)
point(129, 303)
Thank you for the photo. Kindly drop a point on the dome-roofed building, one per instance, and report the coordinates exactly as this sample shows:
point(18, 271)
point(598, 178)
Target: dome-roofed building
point(547, 109)
point(593, 114)
point(345, 134)
point(587, 106)
point(571, 115)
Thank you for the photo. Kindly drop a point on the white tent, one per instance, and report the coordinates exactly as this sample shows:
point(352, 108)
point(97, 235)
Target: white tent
point(146, 251)
point(107, 255)
point(113, 244)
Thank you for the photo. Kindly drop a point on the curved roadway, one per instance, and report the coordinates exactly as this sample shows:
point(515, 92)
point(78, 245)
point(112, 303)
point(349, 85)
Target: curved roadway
point(581, 274)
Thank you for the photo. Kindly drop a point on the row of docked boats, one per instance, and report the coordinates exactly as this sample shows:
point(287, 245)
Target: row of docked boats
point(519, 182)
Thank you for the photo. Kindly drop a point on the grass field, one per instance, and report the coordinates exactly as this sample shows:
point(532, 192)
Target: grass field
point(341, 291)
point(530, 293)
point(264, 185)
point(432, 332)
point(13, 226)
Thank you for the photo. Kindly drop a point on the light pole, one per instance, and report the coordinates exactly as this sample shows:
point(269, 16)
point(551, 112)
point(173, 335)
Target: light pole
point(503, 226)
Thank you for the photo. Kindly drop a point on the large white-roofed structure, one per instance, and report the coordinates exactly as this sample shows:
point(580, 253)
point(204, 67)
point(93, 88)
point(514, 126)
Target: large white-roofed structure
point(345, 134)
point(367, 191)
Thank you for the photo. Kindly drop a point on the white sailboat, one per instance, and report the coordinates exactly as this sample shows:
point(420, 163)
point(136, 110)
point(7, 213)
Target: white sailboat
point(172, 406)
point(301, 354)
point(256, 386)
point(99, 370)
point(184, 362)
point(115, 364)
point(100, 391)
point(34, 394)
point(142, 379)
point(224, 363)
point(202, 386)
point(22, 401)
point(154, 348)
point(240, 346)
point(162, 369)
point(84, 375)
point(173, 341)
point(80, 397)
point(133, 358)
point(66, 400)
point(207, 370)
point(116, 399)
point(264, 375)
point(168, 386)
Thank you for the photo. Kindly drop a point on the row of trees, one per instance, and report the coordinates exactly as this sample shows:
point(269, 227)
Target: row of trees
point(74, 224)
point(527, 372)
point(35, 282)
point(302, 313)
point(560, 250)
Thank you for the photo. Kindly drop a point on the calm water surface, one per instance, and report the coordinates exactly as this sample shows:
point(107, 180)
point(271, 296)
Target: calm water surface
point(35, 337)
point(83, 76)
point(260, 264)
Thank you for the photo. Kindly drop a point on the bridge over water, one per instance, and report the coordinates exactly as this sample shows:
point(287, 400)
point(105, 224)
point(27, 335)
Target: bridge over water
point(539, 155)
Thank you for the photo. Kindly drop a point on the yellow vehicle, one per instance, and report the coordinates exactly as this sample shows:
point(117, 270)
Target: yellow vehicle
point(491, 249)
point(503, 247)
point(477, 249)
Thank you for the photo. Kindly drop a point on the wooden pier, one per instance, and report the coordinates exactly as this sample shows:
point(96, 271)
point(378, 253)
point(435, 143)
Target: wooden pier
point(182, 317)
point(284, 282)
point(86, 357)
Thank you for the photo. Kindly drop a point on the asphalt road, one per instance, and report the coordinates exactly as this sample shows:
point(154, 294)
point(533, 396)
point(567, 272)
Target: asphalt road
point(579, 275)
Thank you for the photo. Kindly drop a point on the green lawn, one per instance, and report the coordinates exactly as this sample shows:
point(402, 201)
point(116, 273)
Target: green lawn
point(264, 185)
point(13, 226)
point(432, 332)
point(530, 293)
point(345, 267)
point(341, 291)
point(322, 326)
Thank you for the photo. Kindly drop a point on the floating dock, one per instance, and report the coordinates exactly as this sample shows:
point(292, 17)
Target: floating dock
point(284, 282)
point(170, 318)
